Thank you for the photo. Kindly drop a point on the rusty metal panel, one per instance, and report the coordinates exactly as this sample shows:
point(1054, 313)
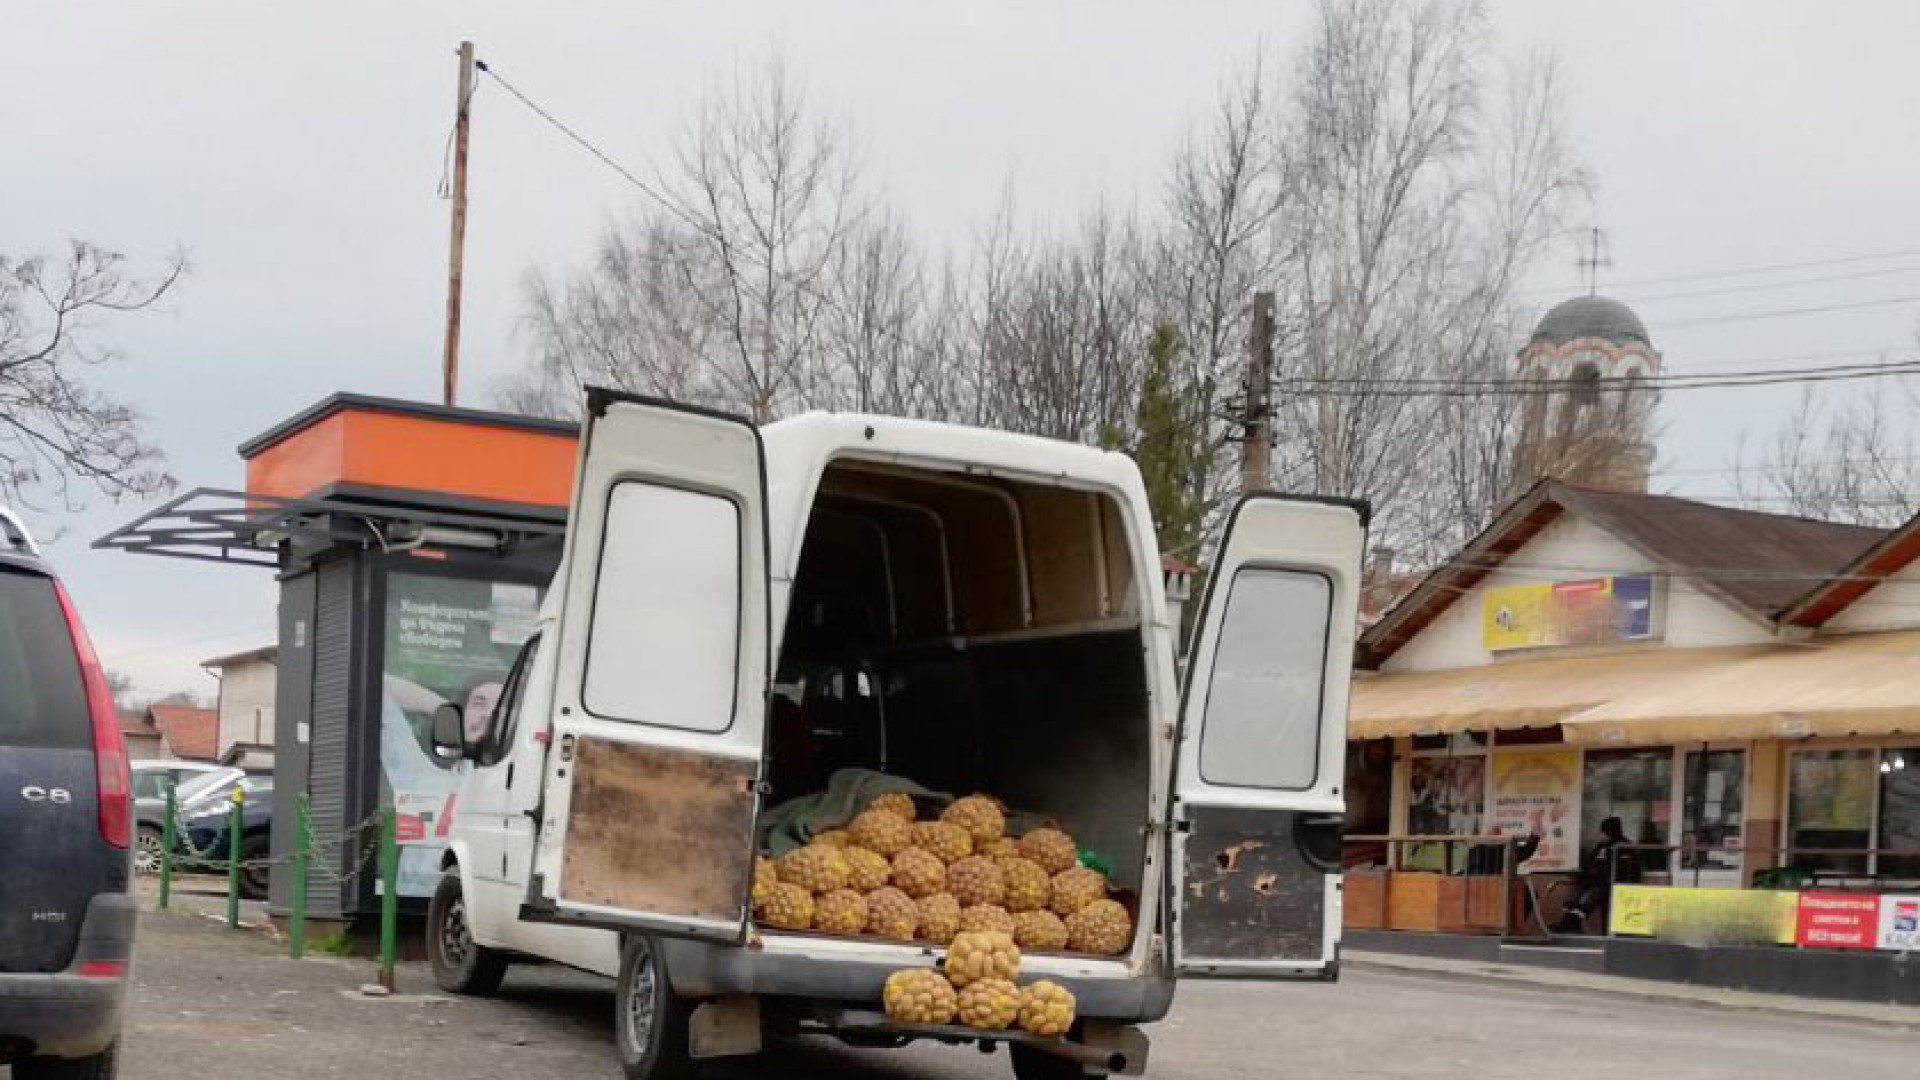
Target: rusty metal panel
point(1248, 893)
point(659, 831)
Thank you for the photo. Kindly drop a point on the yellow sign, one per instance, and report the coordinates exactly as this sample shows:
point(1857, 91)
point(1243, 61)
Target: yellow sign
point(1591, 611)
point(1705, 916)
point(1537, 793)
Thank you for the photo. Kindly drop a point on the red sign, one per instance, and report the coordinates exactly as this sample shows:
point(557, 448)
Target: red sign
point(409, 828)
point(1838, 920)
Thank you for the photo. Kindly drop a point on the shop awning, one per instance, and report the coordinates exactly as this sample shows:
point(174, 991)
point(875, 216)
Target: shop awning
point(1855, 684)
point(1864, 684)
point(1497, 697)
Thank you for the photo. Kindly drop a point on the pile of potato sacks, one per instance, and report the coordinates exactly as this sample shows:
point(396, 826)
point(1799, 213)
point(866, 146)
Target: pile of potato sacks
point(978, 990)
point(890, 876)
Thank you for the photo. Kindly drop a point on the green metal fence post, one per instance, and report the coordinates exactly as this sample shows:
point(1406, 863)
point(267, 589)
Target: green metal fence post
point(297, 918)
point(389, 895)
point(166, 849)
point(235, 817)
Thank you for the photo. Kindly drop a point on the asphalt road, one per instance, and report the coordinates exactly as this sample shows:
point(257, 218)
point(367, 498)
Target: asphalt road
point(216, 1004)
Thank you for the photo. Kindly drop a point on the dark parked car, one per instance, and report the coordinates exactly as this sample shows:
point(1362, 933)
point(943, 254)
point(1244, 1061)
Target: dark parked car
point(203, 821)
point(66, 826)
point(150, 780)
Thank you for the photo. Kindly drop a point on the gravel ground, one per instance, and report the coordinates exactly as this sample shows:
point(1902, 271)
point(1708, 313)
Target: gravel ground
point(217, 1004)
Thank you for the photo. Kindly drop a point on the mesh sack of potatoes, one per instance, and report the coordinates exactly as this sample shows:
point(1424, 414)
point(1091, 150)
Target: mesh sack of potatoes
point(1054, 850)
point(816, 868)
point(881, 831)
point(919, 874)
point(898, 803)
point(892, 914)
point(1039, 931)
point(981, 816)
point(948, 842)
point(1046, 1008)
point(788, 907)
point(1102, 927)
point(986, 917)
point(919, 996)
point(982, 954)
point(988, 1004)
point(939, 918)
point(841, 911)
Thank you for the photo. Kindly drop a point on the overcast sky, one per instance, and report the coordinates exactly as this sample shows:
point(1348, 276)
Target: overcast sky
point(294, 152)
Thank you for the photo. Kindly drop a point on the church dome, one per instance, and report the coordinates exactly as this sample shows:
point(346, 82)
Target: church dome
point(1590, 317)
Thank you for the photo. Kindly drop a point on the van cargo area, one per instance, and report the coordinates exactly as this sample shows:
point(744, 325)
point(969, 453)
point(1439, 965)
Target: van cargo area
point(972, 634)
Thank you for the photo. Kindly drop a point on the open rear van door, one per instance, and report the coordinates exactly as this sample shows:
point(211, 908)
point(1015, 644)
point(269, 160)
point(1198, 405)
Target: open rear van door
point(659, 706)
point(1256, 817)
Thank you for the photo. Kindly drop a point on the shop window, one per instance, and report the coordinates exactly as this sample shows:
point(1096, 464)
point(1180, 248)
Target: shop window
point(1635, 786)
point(1830, 805)
point(1713, 808)
point(1899, 813)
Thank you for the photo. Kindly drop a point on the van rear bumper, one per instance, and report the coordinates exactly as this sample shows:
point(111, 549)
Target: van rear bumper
point(67, 1014)
point(699, 969)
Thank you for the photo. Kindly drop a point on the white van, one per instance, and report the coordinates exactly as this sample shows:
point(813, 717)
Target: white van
point(741, 611)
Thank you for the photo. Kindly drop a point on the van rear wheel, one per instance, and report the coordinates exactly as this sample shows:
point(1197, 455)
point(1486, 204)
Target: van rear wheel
point(461, 965)
point(649, 1022)
point(1031, 1064)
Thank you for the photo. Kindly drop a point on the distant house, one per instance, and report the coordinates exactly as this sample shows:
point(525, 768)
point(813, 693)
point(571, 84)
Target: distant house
point(191, 733)
point(245, 706)
point(143, 739)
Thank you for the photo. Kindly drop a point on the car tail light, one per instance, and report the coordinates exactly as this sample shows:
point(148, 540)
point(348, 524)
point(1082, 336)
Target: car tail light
point(103, 969)
point(111, 779)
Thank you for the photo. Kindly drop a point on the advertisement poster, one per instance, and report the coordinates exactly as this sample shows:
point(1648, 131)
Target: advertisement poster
point(1449, 799)
point(1701, 916)
point(447, 640)
point(1899, 923)
point(1590, 611)
point(1537, 793)
point(1838, 920)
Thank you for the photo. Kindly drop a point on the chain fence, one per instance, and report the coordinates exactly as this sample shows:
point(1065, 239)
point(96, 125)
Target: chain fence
point(330, 858)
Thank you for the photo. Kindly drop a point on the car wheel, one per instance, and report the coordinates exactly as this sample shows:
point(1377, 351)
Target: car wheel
point(102, 1066)
point(461, 965)
point(1032, 1064)
point(147, 849)
point(649, 1021)
point(256, 867)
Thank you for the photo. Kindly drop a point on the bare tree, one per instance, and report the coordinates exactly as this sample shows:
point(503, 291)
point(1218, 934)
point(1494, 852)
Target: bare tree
point(58, 429)
point(1839, 461)
point(719, 293)
point(1414, 209)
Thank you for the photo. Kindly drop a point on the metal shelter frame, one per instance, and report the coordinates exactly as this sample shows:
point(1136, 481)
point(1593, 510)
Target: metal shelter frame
point(233, 527)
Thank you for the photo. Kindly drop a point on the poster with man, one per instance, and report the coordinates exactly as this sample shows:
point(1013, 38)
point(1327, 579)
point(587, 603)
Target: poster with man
point(447, 640)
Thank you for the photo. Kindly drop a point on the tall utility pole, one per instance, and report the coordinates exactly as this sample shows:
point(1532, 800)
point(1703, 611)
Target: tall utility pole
point(1256, 447)
point(450, 362)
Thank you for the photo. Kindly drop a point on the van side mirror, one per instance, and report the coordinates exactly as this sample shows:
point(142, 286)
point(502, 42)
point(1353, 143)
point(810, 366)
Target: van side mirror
point(449, 732)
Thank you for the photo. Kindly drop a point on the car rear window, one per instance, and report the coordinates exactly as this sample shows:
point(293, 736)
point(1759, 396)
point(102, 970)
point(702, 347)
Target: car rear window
point(42, 701)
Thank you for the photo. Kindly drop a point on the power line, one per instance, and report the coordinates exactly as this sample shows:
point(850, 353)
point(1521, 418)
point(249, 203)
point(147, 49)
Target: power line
point(1784, 313)
point(1768, 286)
point(1310, 386)
point(1747, 271)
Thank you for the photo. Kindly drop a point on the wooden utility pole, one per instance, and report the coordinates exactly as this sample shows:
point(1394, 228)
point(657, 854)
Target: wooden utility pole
point(1256, 447)
point(450, 362)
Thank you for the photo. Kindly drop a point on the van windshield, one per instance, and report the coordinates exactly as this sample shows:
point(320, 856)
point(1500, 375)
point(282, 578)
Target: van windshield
point(44, 704)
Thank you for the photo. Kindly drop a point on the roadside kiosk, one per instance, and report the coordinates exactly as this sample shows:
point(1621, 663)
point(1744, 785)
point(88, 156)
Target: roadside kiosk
point(412, 544)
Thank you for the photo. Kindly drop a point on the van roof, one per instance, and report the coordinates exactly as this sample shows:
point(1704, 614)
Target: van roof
point(798, 447)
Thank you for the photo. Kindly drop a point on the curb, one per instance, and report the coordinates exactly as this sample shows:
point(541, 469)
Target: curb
point(1885, 1016)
